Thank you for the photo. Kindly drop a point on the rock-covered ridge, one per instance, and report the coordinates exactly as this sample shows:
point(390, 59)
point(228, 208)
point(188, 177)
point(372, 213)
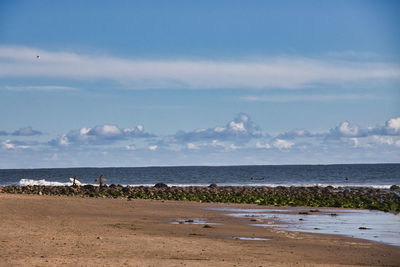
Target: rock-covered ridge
point(360, 197)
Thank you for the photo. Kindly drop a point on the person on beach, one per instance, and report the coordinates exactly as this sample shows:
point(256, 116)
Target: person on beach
point(101, 180)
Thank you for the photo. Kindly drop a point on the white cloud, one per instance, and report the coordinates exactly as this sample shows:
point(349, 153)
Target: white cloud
point(63, 140)
point(23, 131)
point(263, 146)
point(192, 146)
point(130, 147)
point(295, 133)
point(386, 140)
point(306, 98)
point(153, 148)
point(8, 144)
point(393, 125)
point(355, 141)
point(240, 129)
point(98, 135)
point(39, 88)
point(282, 144)
point(237, 127)
point(346, 129)
point(107, 131)
point(26, 131)
point(283, 72)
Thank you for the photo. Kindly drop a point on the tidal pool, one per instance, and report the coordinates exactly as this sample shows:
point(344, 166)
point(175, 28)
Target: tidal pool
point(366, 224)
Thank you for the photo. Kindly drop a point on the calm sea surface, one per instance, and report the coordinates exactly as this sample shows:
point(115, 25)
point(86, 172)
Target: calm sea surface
point(371, 175)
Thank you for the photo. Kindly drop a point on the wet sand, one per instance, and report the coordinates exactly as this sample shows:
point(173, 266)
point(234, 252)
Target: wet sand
point(59, 230)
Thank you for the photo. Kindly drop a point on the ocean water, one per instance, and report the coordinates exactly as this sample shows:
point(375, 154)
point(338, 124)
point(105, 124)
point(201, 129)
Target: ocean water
point(369, 175)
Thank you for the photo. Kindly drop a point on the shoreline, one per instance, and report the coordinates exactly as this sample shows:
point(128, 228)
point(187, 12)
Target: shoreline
point(387, 200)
point(57, 230)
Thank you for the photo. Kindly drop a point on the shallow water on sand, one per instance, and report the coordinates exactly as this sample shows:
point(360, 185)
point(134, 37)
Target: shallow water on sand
point(366, 224)
point(251, 238)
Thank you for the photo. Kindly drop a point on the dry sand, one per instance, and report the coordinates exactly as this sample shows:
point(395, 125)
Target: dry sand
point(58, 230)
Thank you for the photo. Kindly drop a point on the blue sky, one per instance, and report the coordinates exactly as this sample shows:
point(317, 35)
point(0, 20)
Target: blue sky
point(140, 83)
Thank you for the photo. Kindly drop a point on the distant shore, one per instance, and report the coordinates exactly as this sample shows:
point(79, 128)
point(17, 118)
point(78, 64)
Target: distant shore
point(59, 230)
point(315, 196)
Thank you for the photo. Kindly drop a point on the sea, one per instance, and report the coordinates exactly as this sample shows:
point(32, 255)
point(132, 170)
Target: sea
point(346, 175)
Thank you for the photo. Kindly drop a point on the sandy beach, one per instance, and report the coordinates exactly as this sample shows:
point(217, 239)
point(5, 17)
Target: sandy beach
point(60, 230)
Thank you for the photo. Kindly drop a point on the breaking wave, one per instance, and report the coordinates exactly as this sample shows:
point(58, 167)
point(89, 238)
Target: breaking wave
point(25, 182)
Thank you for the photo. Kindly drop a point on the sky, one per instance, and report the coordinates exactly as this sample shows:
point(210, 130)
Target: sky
point(174, 83)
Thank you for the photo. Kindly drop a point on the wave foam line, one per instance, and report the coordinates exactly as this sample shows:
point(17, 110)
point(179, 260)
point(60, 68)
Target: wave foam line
point(25, 182)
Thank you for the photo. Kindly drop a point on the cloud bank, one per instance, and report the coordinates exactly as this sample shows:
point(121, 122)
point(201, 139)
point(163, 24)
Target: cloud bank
point(280, 72)
point(239, 141)
point(24, 131)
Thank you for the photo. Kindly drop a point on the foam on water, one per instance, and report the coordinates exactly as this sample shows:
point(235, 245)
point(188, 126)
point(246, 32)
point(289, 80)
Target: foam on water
point(25, 182)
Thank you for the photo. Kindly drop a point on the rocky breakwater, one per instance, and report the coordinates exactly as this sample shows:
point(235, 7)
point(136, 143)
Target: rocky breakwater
point(316, 196)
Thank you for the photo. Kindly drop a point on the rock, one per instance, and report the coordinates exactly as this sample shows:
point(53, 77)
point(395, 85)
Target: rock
point(213, 186)
point(394, 187)
point(88, 187)
point(160, 185)
point(207, 226)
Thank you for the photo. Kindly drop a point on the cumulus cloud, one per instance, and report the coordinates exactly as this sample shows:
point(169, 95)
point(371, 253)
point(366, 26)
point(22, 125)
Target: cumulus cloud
point(240, 129)
point(295, 133)
point(262, 145)
point(192, 146)
point(9, 144)
point(153, 147)
point(24, 131)
point(130, 147)
point(386, 140)
point(281, 72)
point(346, 129)
point(99, 135)
point(392, 127)
point(282, 144)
